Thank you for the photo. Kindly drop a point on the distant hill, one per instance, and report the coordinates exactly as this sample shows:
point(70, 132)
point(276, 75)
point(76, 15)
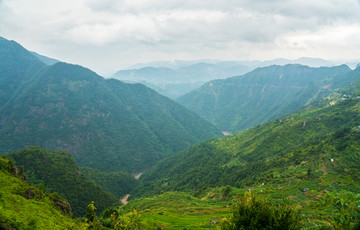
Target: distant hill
point(59, 173)
point(241, 102)
point(316, 148)
point(176, 78)
point(104, 124)
point(176, 82)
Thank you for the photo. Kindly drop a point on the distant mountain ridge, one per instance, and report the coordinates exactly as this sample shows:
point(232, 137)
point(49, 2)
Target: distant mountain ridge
point(312, 62)
point(177, 78)
point(104, 124)
point(241, 102)
point(176, 82)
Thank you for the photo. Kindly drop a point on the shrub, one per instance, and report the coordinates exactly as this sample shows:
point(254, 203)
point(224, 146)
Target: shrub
point(251, 212)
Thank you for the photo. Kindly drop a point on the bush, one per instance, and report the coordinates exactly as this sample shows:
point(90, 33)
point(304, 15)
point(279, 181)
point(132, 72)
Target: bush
point(256, 213)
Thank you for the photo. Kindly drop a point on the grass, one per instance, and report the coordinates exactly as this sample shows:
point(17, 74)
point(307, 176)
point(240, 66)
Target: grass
point(35, 213)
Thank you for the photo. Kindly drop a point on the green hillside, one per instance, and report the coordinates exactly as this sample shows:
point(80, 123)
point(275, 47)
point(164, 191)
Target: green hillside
point(117, 183)
point(23, 206)
point(264, 94)
point(59, 173)
point(320, 141)
point(104, 124)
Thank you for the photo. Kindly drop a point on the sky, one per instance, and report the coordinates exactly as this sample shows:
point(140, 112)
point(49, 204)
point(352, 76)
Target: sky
point(108, 35)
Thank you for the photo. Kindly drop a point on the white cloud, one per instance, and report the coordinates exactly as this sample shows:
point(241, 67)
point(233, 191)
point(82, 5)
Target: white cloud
point(123, 32)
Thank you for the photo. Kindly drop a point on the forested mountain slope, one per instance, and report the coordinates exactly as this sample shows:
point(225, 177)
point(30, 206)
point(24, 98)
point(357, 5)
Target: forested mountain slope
point(321, 140)
point(264, 94)
point(59, 173)
point(23, 206)
point(104, 124)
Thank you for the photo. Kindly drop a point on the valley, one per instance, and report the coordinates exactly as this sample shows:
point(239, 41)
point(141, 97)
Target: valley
point(85, 152)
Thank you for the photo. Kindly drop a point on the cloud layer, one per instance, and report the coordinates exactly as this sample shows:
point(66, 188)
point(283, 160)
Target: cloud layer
point(109, 34)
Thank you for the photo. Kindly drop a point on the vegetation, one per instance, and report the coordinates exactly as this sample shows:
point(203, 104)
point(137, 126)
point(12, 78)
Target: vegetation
point(302, 169)
point(264, 94)
point(117, 183)
point(104, 124)
point(58, 172)
point(322, 139)
point(172, 210)
point(23, 206)
point(253, 213)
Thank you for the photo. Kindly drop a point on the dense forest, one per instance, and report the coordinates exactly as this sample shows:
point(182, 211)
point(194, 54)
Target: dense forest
point(58, 172)
point(104, 124)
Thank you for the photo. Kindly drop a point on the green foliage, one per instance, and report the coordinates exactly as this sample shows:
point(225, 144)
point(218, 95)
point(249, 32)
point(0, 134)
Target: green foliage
point(118, 183)
point(23, 206)
point(255, 213)
point(90, 212)
point(130, 221)
point(105, 124)
point(345, 208)
point(173, 210)
point(297, 146)
point(264, 94)
point(59, 173)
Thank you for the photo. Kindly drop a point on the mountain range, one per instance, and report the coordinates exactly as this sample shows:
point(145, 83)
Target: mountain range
point(72, 141)
point(242, 102)
point(104, 124)
point(174, 79)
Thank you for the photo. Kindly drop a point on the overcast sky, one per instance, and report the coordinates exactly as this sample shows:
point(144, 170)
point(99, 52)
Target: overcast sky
point(107, 35)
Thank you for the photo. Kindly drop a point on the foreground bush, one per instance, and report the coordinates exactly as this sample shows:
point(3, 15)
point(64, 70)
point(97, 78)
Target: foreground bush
point(252, 212)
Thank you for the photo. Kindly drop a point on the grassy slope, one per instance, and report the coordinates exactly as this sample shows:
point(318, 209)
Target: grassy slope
point(179, 210)
point(261, 153)
point(19, 212)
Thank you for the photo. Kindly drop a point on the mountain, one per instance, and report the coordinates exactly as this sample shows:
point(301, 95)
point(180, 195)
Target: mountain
point(44, 59)
point(105, 124)
point(241, 102)
point(15, 65)
point(320, 142)
point(176, 82)
point(174, 79)
point(23, 206)
point(176, 64)
point(59, 173)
